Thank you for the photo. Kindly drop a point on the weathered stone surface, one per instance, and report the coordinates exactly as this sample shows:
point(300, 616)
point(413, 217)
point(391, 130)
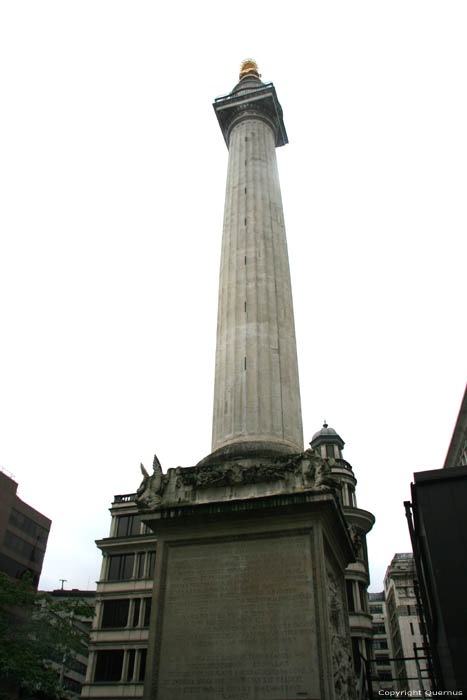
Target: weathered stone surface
point(235, 480)
point(257, 393)
point(249, 594)
point(239, 621)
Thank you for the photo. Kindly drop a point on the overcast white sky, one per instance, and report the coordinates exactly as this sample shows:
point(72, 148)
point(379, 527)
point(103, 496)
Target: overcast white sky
point(112, 171)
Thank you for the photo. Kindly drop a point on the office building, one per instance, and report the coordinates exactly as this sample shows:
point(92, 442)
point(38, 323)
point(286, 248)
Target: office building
point(23, 533)
point(438, 528)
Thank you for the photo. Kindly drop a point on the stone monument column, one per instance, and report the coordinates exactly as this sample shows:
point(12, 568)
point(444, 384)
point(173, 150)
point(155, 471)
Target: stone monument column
point(257, 395)
point(249, 589)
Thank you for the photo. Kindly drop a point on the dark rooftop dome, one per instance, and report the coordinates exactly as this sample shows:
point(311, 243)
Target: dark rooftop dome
point(326, 435)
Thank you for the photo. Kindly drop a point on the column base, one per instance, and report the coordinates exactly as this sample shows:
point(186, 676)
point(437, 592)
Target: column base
point(256, 449)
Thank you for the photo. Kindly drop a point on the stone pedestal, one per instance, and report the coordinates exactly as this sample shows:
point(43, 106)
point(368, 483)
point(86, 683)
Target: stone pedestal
point(249, 595)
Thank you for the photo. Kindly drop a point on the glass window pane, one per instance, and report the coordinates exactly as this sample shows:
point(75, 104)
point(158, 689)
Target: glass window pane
point(131, 664)
point(127, 567)
point(142, 664)
point(151, 562)
point(136, 610)
point(147, 612)
point(122, 525)
point(109, 665)
point(350, 596)
point(115, 613)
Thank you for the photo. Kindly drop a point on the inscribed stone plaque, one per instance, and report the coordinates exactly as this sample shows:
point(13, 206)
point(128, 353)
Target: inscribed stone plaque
point(238, 621)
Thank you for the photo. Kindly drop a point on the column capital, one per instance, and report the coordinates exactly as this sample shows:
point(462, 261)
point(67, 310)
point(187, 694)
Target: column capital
point(251, 99)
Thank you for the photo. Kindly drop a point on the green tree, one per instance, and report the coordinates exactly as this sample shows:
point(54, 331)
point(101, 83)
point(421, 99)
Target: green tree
point(39, 638)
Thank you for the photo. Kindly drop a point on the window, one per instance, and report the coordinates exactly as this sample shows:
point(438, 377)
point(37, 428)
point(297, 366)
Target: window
point(28, 526)
point(375, 609)
point(356, 654)
point(350, 598)
point(75, 665)
point(145, 564)
point(135, 665)
point(140, 565)
point(384, 676)
point(362, 595)
point(120, 567)
point(24, 549)
point(128, 525)
point(71, 684)
point(382, 660)
point(147, 612)
point(142, 664)
point(131, 664)
point(329, 450)
point(115, 613)
point(151, 561)
point(380, 644)
point(136, 611)
point(108, 665)
point(379, 629)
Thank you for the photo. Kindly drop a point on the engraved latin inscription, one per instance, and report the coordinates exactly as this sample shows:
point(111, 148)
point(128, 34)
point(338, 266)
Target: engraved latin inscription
point(238, 621)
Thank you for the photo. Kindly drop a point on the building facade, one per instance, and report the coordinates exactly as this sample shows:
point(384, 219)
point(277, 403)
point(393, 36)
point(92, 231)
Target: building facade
point(119, 634)
point(407, 644)
point(382, 670)
point(23, 533)
point(400, 656)
point(438, 529)
point(330, 445)
point(72, 671)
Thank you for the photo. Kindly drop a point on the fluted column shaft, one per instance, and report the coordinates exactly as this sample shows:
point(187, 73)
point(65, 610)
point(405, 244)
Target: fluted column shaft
point(257, 395)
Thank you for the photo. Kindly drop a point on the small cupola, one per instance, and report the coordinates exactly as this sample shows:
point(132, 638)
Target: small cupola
point(328, 442)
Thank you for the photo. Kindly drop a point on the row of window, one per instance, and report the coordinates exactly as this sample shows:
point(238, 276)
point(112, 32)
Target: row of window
point(384, 675)
point(15, 570)
point(126, 566)
point(347, 495)
point(75, 665)
point(26, 550)
point(411, 609)
point(72, 663)
point(71, 684)
point(360, 648)
point(382, 660)
point(356, 596)
point(128, 526)
point(376, 609)
point(123, 612)
point(407, 591)
point(28, 526)
point(115, 665)
point(379, 643)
